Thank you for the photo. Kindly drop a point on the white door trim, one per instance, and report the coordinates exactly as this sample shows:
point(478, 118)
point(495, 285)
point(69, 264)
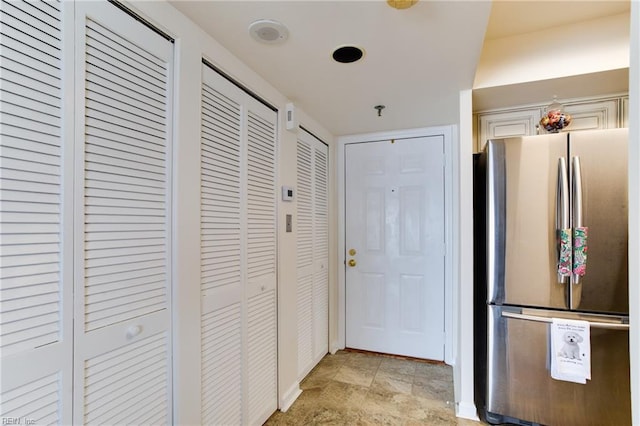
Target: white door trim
point(449, 133)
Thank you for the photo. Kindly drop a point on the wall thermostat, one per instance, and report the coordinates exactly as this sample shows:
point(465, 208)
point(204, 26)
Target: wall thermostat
point(287, 193)
point(291, 119)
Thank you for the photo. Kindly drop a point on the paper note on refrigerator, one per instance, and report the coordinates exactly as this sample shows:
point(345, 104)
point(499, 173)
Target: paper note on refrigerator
point(570, 350)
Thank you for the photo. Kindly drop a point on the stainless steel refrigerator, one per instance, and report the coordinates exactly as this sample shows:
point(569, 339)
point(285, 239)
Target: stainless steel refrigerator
point(541, 192)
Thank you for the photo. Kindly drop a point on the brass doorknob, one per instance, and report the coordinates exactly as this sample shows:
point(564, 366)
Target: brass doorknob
point(352, 262)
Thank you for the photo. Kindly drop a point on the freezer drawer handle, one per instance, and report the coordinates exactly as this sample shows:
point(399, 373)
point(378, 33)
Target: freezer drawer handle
point(607, 325)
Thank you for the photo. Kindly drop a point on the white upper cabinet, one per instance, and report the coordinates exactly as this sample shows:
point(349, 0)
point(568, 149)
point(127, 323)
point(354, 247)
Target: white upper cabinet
point(507, 124)
point(592, 115)
point(624, 119)
point(587, 114)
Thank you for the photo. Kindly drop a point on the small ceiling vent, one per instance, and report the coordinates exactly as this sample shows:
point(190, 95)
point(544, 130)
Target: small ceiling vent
point(268, 31)
point(347, 54)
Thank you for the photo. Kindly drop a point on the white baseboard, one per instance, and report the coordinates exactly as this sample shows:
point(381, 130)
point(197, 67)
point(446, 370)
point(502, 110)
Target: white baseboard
point(335, 347)
point(290, 397)
point(467, 410)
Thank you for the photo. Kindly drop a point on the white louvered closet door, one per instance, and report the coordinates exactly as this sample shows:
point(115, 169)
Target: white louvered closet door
point(313, 252)
point(261, 309)
point(221, 228)
point(320, 251)
point(238, 255)
point(123, 265)
point(36, 213)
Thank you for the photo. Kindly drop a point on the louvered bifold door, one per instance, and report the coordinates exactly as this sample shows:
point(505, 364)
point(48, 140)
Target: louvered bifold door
point(304, 245)
point(320, 251)
point(261, 322)
point(238, 255)
point(36, 302)
point(221, 249)
point(122, 277)
point(313, 251)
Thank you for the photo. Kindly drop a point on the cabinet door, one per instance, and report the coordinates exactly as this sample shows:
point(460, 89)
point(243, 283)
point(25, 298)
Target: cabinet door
point(624, 119)
point(122, 220)
point(507, 124)
point(36, 178)
point(593, 115)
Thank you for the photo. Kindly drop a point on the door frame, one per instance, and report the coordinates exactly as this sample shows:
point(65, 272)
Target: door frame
point(449, 133)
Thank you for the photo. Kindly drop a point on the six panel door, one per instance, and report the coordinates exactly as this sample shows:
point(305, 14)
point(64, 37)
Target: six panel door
point(395, 246)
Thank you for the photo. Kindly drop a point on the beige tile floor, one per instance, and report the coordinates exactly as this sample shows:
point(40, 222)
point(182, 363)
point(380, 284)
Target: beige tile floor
point(354, 388)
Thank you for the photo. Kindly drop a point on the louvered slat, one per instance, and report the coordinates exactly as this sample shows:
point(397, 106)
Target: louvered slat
point(261, 356)
point(305, 324)
point(304, 205)
point(125, 199)
point(261, 229)
point(320, 313)
point(128, 384)
point(36, 401)
point(30, 170)
point(220, 190)
point(222, 367)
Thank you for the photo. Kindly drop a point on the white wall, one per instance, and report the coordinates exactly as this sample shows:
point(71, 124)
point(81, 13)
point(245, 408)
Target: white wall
point(583, 48)
point(463, 368)
point(634, 209)
point(191, 45)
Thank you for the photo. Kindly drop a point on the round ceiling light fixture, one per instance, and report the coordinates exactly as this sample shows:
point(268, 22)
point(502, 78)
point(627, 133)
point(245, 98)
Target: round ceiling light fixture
point(401, 4)
point(347, 54)
point(268, 31)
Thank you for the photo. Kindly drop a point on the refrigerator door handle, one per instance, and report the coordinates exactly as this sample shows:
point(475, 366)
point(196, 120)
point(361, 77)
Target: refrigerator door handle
point(563, 231)
point(592, 324)
point(577, 191)
point(579, 231)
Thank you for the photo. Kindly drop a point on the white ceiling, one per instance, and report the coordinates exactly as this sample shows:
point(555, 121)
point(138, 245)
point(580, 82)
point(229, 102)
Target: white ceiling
point(416, 60)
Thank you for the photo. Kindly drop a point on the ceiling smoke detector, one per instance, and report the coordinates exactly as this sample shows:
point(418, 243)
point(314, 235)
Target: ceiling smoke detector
point(268, 31)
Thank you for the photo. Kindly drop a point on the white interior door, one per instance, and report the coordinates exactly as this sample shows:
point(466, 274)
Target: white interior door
point(395, 246)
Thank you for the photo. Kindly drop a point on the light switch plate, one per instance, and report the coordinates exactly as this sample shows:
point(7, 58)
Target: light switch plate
point(287, 193)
